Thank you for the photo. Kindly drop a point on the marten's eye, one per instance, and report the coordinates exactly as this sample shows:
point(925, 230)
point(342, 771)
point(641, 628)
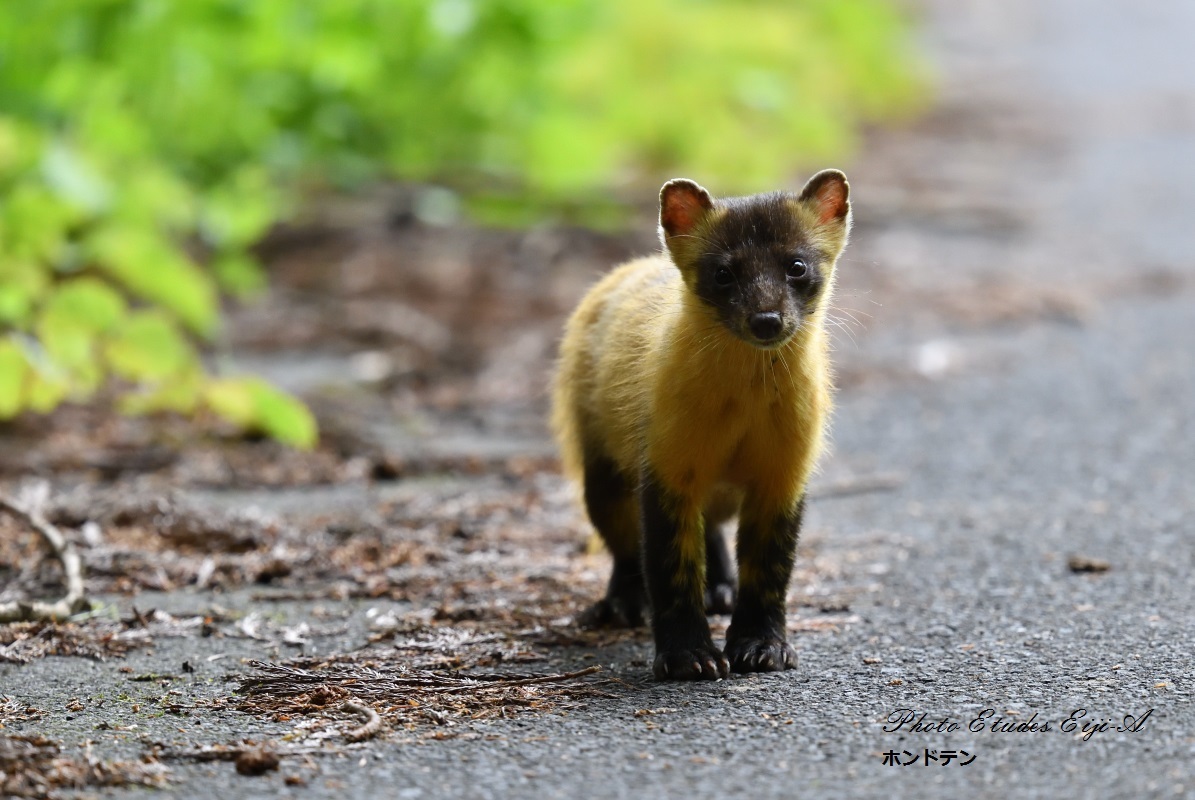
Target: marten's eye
point(798, 269)
point(723, 277)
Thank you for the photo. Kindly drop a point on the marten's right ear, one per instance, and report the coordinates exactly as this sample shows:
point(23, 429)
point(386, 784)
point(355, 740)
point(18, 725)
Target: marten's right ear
point(682, 205)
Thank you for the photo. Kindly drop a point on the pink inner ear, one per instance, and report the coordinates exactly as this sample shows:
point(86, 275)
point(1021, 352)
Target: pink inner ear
point(831, 201)
point(683, 207)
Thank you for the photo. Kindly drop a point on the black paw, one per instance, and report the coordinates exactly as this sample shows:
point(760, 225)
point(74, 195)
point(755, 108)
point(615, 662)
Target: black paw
point(766, 654)
point(702, 663)
point(611, 613)
point(719, 598)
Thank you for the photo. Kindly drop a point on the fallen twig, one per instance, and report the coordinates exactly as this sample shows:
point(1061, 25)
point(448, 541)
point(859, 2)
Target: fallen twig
point(75, 599)
point(372, 722)
point(504, 682)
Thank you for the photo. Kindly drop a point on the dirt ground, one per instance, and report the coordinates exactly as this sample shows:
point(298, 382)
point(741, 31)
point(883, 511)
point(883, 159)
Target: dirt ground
point(1003, 523)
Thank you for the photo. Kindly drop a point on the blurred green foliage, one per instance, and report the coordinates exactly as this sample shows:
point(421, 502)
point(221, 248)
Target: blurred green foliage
point(146, 145)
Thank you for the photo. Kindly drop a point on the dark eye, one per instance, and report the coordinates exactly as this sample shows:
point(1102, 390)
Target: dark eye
point(798, 269)
point(723, 277)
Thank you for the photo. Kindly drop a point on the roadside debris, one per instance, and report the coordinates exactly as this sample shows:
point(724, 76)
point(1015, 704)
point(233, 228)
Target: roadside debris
point(22, 642)
point(372, 721)
point(35, 766)
point(28, 511)
point(257, 761)
point(404, 696)
point(1080, 564)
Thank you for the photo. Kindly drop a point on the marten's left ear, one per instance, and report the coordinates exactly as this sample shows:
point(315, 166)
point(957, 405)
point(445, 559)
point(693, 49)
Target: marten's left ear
point(682, 205)
point(827, 195)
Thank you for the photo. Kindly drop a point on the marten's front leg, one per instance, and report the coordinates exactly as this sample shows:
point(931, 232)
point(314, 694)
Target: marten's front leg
point(767, 544)
point(674, 564)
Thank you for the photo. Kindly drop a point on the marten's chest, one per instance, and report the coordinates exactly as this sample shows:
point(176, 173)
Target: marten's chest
point(734, 424)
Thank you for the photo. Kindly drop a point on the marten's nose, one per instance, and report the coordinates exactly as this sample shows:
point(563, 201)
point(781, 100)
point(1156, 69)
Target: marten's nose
point(765, 325)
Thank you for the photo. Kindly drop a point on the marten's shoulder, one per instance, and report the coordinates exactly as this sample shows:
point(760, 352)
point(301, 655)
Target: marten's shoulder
point(623, 296)
point(600, 386)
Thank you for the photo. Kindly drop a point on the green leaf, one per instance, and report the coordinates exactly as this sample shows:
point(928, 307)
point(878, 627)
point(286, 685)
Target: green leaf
point(232, 399)
point(16, 306)
point(152, 196)
point(181, 394)
point(239, 212)
point(46, 391)
point(34, 223)
point(239, 274)
point(149, 348)
point(157, 270)
point(87, 303)
point(24, 277)
point(255, 405)
point(20, 145)
point(72, 320)
point(71, 349)
point(285, 418)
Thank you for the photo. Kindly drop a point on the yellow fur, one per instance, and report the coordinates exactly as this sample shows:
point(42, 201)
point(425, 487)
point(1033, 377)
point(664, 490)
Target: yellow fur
point(648, 375)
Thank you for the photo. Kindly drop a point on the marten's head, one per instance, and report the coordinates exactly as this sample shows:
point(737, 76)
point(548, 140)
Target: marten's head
point(761, 264)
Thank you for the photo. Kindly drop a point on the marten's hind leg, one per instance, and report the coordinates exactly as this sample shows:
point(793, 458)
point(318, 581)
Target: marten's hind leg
point(613, 510)
point(720, 584)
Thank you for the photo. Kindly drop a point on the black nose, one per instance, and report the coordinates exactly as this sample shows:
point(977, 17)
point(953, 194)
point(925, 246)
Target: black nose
point(765, 325)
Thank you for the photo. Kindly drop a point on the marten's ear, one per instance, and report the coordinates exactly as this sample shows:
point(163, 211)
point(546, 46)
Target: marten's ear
point(682, 205)
point(827, 195)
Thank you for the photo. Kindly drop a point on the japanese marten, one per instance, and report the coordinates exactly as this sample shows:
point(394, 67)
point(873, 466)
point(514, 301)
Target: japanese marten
point(694, 386)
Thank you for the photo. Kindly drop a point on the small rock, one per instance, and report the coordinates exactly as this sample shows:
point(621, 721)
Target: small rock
point(256, 761)
point(1087, 564)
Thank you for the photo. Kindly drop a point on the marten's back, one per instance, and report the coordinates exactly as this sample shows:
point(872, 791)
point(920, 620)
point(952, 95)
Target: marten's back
point(601, 391)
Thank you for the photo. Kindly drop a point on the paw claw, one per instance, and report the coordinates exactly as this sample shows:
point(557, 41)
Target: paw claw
point(767, 654)
point(699, 663)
